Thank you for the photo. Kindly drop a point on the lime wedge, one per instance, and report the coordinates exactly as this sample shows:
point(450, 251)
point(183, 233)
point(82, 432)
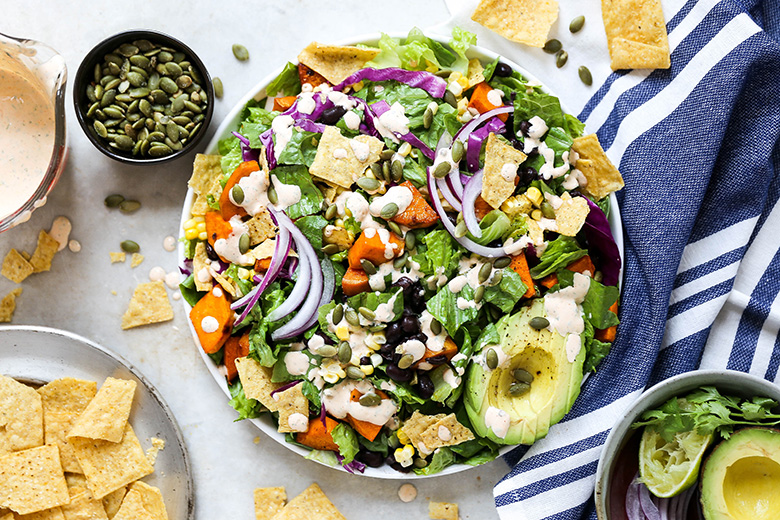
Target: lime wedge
point(668, 468)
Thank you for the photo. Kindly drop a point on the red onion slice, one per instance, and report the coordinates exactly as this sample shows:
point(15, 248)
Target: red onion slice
point(464, 131)
point(649, 508)
point(455, 184)
point(488, 252)
point(448, 195)
point(470, 194)
point(328, 290)
point(296, 296)
point(633, 506)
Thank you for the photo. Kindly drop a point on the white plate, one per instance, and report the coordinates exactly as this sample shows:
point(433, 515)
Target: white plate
point(229, 124)
point(38, 355)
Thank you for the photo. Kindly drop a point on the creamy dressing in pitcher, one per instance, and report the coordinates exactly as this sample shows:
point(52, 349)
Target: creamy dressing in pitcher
point(27, 130)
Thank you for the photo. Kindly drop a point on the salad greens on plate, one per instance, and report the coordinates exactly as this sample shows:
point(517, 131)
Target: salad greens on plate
point(403, 254)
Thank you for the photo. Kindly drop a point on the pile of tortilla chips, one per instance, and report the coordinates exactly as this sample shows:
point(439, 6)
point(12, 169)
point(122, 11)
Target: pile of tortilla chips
point(67, 451)
point(309, 505)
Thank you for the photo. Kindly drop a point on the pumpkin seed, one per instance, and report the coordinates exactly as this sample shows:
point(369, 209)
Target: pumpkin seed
point(218, 87)
point(386, 155)
point(547, 210)
point(585, 75)
point(139, 60)
point(397, 170)
point(168, 85)
point(154, 81)
point(399, 262)
point(484, 272)
point(419, 462)
point(159, 150)
point(243, 243)
point(375, 170)
point(129, 206)
point(139, 92)
point(370, 399)
point(273, 197)
point(367, 266)
point(172, 129)
point(428, 118)
point(113, 112)
point(174, 70)
point(338, 314)
point(164, 57)
point(386, 175)
point(539, 323)
point(442, 170)
point(523, 376)
point(406, 361)
point(330, 249)
point(497, 277)
point(240, 52)
point(352, 317)
point(93, 109)
point(124, 142)
point(410, 240)
point(345, 352)
point(491, 359)
point(97, 73)
point(354, 372)
point(577, 24)
point(367, 313)
point(389, 211)
point(237, 193)
point(552, 46)
point(461, 230)
point(331, 212)
point(450, 98)
point(395, 228)
point(192, 106)
point(183, 82)
point(561, 58)
point(135, 79)
point(502, 262)
point(128, 49)
point(128, 246)
point(100, 128)
point(327, 351)
point(113, 84)
point(368, 184)
point(113, 201)
point(518, 389)
point(435, 326)
point(107, 98)
point(457, 150)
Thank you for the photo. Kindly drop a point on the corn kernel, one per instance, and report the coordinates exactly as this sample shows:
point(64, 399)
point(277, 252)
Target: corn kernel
point(404, 149)
point(191, 234)
point(463, 105)
point(357, 86)
point(367, 369)
point(536, 214)
point(455, 76)
point(203, 236)
point(514, 206)
point(463, 82)
point(430, 66)
point(455, 88)
point(534, 195)
point(342, 332)
point(404, 455)
point(189, 223)
point(243, 274)
point(330, 377)
point(200, 226)
point(402, 437)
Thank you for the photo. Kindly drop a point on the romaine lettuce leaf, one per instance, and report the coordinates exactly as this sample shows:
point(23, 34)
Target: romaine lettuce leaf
point(444, 307)
point(442, 458)
point(246, 408)
point(506, 294)
point(346, 439)
point(539, 104)
point(559, 253)
point(300, 148)
point(287, 82)
point(311, 196)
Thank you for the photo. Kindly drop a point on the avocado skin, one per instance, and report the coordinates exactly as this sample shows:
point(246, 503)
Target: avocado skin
point(756, 481)
point(553, 391)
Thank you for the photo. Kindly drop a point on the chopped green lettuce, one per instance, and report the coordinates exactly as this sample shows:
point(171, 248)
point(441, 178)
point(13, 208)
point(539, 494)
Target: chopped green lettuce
point(287, 82)
point(300, 149)
point(347, 440)
point(507, 293)
point(246, 408)
point(559, 253)
point(311, 196)
point(444, 307)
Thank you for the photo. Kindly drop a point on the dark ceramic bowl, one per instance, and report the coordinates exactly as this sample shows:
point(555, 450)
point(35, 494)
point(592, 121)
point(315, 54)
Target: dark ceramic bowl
point(85, 77)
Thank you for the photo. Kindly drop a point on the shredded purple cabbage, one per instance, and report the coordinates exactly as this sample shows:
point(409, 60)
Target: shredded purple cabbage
point(476, 138)
point(434, 85)
point(286, 387)
point(323, 415)
point(601, 240)
point(380, 107)
point(353, 467)
point(247, 153)
point(186, 267)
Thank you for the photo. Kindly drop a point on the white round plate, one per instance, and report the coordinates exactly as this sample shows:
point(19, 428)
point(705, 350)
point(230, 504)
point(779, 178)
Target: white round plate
point(229, 124)
point(38, 355)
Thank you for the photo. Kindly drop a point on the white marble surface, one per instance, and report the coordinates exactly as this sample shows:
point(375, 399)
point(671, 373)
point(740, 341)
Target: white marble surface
point(87, 295)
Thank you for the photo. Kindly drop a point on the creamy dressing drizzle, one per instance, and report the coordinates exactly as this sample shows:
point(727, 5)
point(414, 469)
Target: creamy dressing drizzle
point(498, 421)
point(337, 402)
point(564, 310)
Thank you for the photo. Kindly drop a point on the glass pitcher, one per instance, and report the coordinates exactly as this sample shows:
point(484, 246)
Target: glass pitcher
point(33, 143)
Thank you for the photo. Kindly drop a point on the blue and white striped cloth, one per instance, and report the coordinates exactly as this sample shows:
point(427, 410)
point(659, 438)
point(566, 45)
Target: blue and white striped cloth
point(698, 147)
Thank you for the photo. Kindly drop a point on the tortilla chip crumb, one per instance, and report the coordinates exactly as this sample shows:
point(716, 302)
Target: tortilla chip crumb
point(8, 305)
point(44, 252)
point(442, 511)
point(136, 259)
point(269, 501)
point(15, 267)
point(157, 446)
point(149, 305)
point(524, 21)
point(117, 257)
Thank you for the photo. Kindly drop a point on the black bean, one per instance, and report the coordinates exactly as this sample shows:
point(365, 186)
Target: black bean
point(524, 127)
point(418, 299)
point(527, 175)
point(393, 332)
point(403, 282)
point(399, 374)
point(439, 359)
point(210, 252)
point(365, 360)
point(390, 461)
point(370, 458)
point(410, 325)
point(424, 386)
point(331, 116)
point(502, 70)
point(422, 338)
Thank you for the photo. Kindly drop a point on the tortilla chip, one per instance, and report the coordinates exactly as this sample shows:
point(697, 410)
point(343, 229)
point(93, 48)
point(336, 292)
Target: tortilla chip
point(289, 402)
point(109, 466)
point(603, 177)
point(498, 182)
point(44, 252)
point(342, 171)
point(442, 511)
point(136, 259)
point(474, 74)
point(206, 171)
point(636, 34)
point(149, 305)
point(83, 507)
point(256, 380)
point(142, 502)
point(56, 425)
point(157, 446)
point(524, 21)
point(261, 228)
point(535, 233)
point(418, 423)
point(67, 395)
point(54, 513)
point(444, 432)
point(571, 215)
point(117, 258)
point(310, 504)
point(15, 267)
point(32, 480)
point(329, 192)
point(335, 62)
point(201, 204)
point(6, 516)
point(21, 416)
point(269, 501)
point(113, 501)
point(76, 480)
point(200, 261)
point(8, 305)
point(225, 282)
point(105, 417)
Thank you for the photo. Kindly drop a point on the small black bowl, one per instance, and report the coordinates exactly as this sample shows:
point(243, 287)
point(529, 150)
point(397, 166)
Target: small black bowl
point(85, 77)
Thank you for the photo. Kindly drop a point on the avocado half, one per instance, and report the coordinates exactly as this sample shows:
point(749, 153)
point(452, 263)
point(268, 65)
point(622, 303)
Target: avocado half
point(741, 478)
point(553, 391)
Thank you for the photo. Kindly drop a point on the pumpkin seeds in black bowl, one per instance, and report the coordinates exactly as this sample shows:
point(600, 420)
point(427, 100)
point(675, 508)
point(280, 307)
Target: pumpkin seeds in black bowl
point(143, 97)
